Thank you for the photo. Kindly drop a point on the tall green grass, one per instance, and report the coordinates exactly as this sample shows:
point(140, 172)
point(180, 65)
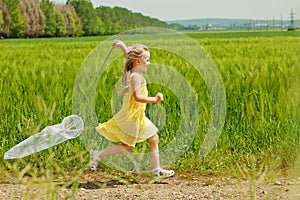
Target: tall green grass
point(260, 73)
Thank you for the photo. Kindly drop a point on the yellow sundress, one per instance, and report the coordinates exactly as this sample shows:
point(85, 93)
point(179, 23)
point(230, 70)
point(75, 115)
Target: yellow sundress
point(129, 125)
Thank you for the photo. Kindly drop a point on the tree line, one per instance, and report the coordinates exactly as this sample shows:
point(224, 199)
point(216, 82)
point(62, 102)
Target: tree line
point(43, 18)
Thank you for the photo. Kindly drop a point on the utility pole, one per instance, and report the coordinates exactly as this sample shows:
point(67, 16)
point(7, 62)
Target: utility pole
point(292, 17)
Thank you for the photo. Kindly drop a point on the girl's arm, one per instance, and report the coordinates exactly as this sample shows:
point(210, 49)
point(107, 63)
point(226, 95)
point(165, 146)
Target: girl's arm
point(124, 48)
point(139, 97)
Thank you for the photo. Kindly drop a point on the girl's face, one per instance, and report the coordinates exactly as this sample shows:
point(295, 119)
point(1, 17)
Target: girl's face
point(142, 64)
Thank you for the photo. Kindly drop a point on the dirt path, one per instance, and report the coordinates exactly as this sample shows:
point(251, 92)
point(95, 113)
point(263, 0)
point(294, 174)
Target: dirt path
point(99, 186)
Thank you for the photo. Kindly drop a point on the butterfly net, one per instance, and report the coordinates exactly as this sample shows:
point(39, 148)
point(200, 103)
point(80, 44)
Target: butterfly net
point(71, 127)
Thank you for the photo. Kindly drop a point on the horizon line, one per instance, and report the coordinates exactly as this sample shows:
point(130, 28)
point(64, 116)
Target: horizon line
point(231, 18)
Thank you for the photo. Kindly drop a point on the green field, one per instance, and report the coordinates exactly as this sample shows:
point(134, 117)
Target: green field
point(261, 74)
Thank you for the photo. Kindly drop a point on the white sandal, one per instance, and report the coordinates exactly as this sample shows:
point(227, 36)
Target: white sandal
point(162, 173)
point(94, 159)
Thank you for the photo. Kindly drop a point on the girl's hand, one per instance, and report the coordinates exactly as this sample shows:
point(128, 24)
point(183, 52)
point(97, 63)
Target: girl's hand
point(159, 97)
point(117, 43)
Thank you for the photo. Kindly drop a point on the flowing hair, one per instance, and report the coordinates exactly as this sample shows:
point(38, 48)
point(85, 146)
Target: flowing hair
point(136, 52)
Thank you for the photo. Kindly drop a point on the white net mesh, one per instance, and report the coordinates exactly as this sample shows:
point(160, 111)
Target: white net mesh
point(71, 127)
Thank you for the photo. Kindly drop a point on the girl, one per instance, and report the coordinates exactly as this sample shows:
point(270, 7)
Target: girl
point(130, 125)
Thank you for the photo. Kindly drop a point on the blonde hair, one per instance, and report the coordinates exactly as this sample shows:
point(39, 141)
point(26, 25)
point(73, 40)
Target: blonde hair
point(137, 51)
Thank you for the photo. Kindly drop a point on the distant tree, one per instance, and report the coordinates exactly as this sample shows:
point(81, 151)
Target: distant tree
point(60, 30)
point(115, 20)
point(176, 26)
point(71, 20)
point(34, 18)
point(122, 19)
point(91, 23)
point(4, 19)
point(118, 19)
point(107, 17)
point(16, 27)
point(1, 19)
point(41, 22)
point(47, 8)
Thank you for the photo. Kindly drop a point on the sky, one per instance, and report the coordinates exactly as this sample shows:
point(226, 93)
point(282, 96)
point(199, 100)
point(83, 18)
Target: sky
point(194, 9)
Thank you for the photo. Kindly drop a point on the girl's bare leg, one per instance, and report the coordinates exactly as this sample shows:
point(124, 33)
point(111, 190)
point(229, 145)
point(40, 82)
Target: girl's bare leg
point(154, 152)
point(95, 156)
point(115, 149)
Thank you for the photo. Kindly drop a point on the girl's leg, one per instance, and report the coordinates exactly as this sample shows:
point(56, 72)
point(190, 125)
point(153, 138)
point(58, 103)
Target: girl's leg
point(95, 156)
point(154, 155)
point(115, 149)
point(154, 152)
